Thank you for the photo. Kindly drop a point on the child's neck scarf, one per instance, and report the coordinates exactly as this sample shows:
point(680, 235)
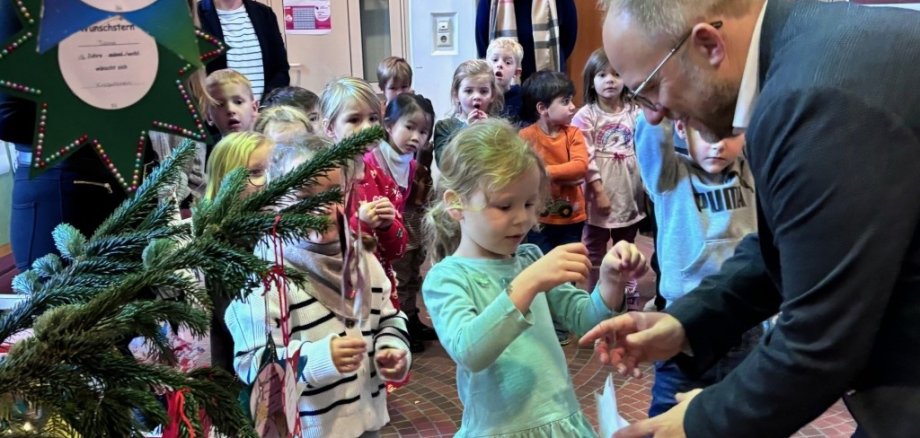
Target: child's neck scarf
point(397, 164)
point(322, 262)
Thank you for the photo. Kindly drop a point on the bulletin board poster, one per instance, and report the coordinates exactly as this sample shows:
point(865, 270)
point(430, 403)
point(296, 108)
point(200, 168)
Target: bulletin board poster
point(307, 17)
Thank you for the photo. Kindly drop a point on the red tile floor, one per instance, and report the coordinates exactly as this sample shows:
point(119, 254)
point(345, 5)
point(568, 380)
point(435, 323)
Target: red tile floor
point(428, 406)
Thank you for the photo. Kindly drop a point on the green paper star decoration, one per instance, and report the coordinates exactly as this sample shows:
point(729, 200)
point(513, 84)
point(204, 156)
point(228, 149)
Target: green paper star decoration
point(65, 122)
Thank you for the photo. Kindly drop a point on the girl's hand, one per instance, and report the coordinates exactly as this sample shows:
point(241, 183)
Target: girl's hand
point(602, 202)
point(564, 264)
point(385, 211)
point(378, 213)
point(347, 353)
point(624, 260)
point(391, 363)
point(475, 116)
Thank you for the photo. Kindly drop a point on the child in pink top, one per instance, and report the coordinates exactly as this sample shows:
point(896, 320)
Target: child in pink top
point(614, 193)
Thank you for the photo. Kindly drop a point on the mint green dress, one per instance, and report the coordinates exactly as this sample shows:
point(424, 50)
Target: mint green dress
point(512, 376)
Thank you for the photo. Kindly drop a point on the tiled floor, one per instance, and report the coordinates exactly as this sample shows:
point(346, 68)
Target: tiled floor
point(428, 406)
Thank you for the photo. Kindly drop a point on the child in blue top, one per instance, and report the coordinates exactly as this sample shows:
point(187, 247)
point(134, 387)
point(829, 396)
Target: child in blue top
point(486, 294)
point(704, 204)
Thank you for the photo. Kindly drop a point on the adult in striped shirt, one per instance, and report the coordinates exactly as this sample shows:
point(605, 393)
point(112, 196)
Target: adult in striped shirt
point(254, 43)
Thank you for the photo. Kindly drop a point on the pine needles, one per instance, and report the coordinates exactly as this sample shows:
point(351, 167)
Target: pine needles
point(139, 269)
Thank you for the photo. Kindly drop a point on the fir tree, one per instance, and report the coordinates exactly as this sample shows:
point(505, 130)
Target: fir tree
point(74, 374)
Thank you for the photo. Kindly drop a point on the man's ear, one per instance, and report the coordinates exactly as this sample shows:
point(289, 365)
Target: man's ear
point(709, 43)
point(452, 202)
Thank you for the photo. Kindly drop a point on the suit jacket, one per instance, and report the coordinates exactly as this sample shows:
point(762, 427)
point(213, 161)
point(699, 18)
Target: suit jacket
point(265, 24)
point(834, 144)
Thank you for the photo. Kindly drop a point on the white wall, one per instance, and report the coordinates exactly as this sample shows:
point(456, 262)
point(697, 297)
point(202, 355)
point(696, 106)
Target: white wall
point(318, 59)
point(432, 68)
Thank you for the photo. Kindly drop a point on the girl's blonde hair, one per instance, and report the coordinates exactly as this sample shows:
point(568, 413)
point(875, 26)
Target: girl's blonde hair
point(596, 63)
point(485, 156)
point(282, 114)
point(473, 68)
point(341, 91)
point(231, 152)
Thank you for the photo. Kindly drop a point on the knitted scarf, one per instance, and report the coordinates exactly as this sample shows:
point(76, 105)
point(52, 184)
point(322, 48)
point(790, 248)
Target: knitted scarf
point(322, 262)
point(545, 35)
point(545, 23)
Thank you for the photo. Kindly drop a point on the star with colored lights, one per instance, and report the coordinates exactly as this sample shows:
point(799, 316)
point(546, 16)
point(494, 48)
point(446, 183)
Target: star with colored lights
point(66, 122)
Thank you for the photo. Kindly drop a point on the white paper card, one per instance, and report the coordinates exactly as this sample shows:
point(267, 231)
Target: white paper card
point(608, 416)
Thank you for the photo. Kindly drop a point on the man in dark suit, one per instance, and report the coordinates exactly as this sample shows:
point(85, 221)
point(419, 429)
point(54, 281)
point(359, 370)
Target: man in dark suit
point(827, 96)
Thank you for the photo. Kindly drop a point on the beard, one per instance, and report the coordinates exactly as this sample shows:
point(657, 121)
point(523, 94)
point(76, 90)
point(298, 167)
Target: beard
point(717, 101)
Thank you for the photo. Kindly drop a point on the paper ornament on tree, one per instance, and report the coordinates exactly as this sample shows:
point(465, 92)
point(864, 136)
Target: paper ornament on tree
point(108, 84)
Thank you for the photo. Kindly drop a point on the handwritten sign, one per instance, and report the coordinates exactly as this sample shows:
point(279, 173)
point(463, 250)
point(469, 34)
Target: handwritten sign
point(119, 5)
point(109, 65)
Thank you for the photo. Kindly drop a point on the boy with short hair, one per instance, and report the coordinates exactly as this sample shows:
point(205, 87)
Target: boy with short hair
point(394, 76)
point(298, 97)
point(505, 55)
point(232, 106)
point(704, 205)
point(547, 101)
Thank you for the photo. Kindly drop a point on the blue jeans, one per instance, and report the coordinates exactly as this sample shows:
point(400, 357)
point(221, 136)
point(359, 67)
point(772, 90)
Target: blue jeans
point(61, 194)
point(670, 380)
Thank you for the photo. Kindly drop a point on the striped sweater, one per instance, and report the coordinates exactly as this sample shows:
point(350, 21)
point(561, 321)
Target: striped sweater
point(332, 404)
point(244, 54)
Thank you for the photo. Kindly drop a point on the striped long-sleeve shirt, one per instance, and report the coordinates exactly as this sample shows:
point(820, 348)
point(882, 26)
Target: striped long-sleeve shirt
point(243, 53)
point(332, 403)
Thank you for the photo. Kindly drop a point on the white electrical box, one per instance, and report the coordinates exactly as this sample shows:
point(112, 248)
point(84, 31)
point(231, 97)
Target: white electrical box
point(444, 33)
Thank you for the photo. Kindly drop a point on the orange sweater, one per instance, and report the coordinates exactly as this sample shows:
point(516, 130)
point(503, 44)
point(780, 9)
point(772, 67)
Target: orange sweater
point(566, 159)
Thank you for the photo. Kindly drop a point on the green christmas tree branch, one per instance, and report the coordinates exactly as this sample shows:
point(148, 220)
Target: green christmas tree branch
point(102, 291)
point(166, 176)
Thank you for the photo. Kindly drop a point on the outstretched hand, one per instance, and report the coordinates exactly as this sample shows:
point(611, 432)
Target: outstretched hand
point(667, 425)
point(626, 340)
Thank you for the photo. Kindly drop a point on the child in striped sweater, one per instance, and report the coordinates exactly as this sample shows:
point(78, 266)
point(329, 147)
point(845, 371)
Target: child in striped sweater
point(347, 350)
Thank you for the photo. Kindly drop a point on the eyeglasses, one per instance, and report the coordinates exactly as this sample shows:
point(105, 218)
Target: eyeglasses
point(257, 178)
point(634, 97)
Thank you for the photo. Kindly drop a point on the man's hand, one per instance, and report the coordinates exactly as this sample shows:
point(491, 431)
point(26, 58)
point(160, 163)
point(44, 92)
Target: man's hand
point(667, 425)
point(626, 340)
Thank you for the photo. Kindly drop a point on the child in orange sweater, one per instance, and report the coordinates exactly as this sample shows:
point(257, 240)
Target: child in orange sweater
point(547, 101)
